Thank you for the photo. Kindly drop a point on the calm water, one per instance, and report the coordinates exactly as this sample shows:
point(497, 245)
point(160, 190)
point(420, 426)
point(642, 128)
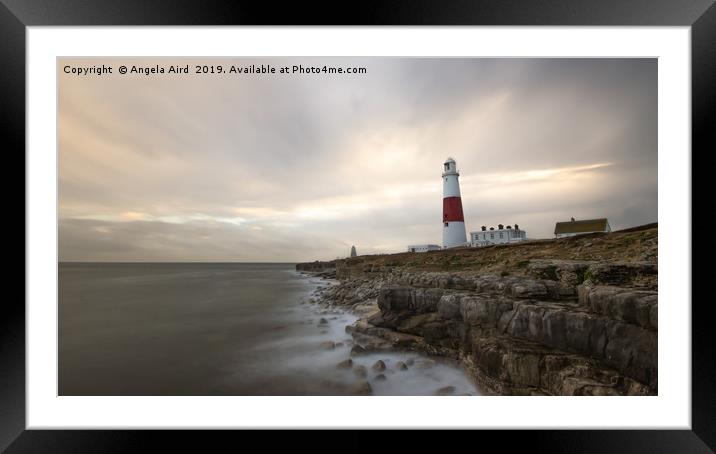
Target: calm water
point(212, 329)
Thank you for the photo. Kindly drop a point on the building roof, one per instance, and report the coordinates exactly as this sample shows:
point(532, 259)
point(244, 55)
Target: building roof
point(586, 225)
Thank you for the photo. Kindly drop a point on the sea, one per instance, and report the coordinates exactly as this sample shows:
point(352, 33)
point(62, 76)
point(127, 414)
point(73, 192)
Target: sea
point(218, 329)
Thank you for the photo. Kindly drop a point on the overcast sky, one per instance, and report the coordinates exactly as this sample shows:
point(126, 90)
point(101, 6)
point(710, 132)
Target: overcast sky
point(301, 167)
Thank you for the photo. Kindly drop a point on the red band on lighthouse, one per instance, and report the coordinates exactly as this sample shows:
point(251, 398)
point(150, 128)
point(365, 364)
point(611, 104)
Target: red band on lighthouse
point(452, 210)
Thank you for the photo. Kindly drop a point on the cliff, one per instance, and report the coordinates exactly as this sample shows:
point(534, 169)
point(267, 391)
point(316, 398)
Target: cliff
point(319, 268)
point(574, 316)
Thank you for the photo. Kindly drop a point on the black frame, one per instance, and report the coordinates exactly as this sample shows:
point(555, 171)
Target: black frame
point(15, 15)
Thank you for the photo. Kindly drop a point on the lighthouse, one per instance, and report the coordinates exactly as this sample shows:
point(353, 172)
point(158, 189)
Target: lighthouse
point(453, 219)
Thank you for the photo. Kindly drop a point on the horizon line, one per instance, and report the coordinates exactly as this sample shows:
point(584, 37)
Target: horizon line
point(165, 261)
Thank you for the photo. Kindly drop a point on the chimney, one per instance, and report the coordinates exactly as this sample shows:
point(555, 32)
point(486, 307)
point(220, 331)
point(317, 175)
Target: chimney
point(500, 226)
point(484, 228)
point(517, 227)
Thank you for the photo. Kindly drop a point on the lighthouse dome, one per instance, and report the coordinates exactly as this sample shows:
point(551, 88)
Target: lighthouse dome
point(449, 167)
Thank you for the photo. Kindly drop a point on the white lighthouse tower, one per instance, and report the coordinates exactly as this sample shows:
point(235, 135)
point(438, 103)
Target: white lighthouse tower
point(453, 219)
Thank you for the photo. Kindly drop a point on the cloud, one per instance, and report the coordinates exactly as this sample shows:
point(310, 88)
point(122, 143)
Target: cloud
point(300, 168)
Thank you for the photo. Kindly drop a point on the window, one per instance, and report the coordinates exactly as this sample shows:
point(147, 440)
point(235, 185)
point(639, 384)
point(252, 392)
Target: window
point(447, 166)
point(492, 236)
point(446, 224)
point(500, 234)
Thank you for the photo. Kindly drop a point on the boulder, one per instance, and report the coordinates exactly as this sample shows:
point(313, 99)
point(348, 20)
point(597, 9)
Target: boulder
point(569, 272)
point(379, 365)
point(487, 283)
point(527, 288)
point(558, 327)
point(328, 345)
point(585, 333)
point(445, 391)
point(522, 368)
point(362, 388)
point(377, 319)
point(425, 363)
point(621, 273)
point(394, 299)
point(633, 351)
point(401, 365)
point(346, 364)
point(425, 300)
point(484, 310)
point(415, 324)
point(559, 290)
point(360, 371)
point(626, 304)
point(440, 332)
point(449, 307)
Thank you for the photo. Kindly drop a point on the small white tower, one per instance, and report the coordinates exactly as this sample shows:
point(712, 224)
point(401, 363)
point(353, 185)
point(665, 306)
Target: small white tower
point(453, 219)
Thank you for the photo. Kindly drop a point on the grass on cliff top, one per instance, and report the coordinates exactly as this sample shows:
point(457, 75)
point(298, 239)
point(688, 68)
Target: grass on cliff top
point(631, 245)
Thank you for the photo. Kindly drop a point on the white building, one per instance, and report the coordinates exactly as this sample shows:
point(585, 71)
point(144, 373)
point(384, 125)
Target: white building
point(423, 247)
point(501, 235)
point(453, 219)
point(572, 228)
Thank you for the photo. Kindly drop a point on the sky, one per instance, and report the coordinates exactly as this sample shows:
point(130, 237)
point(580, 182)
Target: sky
point(299, 167)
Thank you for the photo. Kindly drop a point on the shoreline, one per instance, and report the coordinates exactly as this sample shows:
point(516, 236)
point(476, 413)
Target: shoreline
point(373, 339)
point(575, 316)
point(365, 343)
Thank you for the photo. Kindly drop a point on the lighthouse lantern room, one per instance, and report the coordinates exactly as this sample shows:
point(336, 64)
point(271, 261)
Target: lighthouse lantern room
point(453, 219)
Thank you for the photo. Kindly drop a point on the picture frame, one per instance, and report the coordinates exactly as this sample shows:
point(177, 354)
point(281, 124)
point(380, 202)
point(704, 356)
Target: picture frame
point(16, 16)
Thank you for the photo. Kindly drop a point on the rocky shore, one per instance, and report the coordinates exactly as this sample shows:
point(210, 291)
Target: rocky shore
point(575, 316)
point(321, 269)
point(357, 365)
